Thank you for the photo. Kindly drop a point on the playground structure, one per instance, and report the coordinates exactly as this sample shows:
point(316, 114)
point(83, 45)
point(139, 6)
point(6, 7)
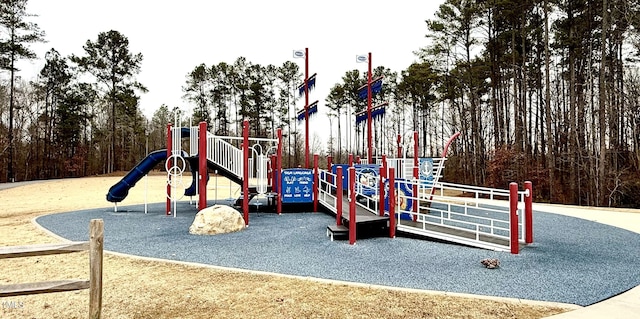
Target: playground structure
point(357, 192)
point(243, 165)
point(423, 205)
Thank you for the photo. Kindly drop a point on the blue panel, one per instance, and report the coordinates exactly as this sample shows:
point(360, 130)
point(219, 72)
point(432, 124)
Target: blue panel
point(297, 185)
point(425, 170)
point(402, 187)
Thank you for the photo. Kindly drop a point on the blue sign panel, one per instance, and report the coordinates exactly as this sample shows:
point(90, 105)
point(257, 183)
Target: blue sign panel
point(425, 170)
point(297, 185)
point(403, 198)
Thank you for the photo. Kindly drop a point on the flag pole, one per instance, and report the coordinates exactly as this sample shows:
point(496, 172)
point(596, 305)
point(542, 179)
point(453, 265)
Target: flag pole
point(369, 150)
point(306, 107)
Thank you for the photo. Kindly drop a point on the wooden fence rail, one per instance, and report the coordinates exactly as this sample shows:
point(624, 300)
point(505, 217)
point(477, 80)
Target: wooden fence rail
point(94, 284)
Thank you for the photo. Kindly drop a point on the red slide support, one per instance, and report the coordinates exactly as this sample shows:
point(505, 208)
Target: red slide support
point(169, 146)
point(513, 217)
point(202, 165)
point(245, 171)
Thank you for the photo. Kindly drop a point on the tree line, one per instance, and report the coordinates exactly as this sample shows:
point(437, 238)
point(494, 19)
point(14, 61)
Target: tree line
point(544, 91)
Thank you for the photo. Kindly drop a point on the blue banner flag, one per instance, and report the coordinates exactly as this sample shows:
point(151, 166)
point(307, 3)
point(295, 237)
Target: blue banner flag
point(311, 83)
point(313, 108)
point(376, 87)
point(376, 112)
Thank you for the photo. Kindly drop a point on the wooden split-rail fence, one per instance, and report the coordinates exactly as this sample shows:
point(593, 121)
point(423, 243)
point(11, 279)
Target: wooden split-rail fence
point(94, 284)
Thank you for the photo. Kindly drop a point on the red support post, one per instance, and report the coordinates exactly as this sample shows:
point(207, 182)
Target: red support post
point(416, 176)
point(384, 165)
point(270, 170)
point(202, 165)
point(339, 195)
point(350, 160)
point(392, 202)
point(329, 164)
point(316, 181)
point(277, 176)
point(352, 205)
point(381, 191)
point(528, 212)
point(513, 217)
point(245, 171)
point(169, 164)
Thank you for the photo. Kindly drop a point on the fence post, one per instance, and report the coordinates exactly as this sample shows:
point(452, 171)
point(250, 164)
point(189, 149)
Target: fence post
point(350, 160)
point(352, 205)
point(339, 195)
point(513, 217)
point(528, 212)
point(96, 242)
point(392, 202)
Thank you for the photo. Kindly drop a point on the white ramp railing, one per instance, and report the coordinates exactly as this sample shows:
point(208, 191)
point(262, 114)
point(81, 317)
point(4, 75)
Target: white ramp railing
point(464, 219)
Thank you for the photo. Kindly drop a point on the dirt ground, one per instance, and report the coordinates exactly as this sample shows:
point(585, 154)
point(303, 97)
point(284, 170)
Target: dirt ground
point(135, 288)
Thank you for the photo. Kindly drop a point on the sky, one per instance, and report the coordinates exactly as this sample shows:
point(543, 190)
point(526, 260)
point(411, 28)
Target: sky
point(176, 36)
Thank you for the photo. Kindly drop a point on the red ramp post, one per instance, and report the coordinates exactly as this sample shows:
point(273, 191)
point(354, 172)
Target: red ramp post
point(202, 165)
point(528, 213)
point(338, 195)
point(316, 180)
point(392, 202)
point(513, 217)
point(352, 205)
point(381, 179)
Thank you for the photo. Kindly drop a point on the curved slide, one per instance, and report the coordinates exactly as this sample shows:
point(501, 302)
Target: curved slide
point(120, 190)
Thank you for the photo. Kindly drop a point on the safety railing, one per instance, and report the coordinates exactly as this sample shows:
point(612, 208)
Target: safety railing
point(327, 189)
point(224, 154)
point(467, 219)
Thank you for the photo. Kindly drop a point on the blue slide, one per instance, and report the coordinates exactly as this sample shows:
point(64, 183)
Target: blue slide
point(120, 190)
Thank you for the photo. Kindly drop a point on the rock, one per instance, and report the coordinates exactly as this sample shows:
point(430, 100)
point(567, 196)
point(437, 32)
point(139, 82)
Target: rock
point(490, 263)
point(217, 219)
